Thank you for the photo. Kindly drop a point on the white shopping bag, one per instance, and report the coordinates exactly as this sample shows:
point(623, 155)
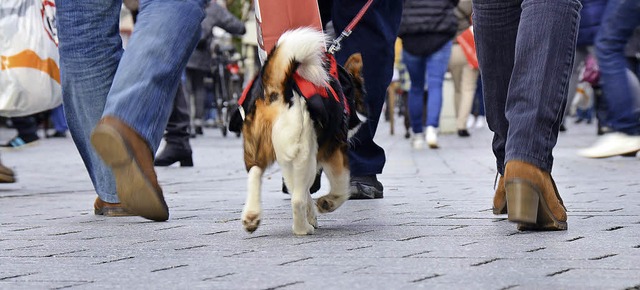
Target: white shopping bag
point(29, 61)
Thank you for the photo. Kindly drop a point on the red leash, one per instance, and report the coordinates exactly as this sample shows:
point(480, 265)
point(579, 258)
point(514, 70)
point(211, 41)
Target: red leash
point(335, 46)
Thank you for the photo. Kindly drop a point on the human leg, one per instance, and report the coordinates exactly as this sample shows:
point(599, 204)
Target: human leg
point(436, 67)
point(495, 28)
point(59, 122)
point(141, 97)
point(374, 38)
point(468, 87)
point(623, 114)
point(416, 66)
point(89, 57)
point(177, 148)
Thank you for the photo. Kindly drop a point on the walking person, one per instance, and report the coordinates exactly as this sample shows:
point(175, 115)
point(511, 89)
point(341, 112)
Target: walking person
point(464, 76)
point(427, 28)
point(118, 102)
point(621, 17)
point(525, 51)
point(374, 38)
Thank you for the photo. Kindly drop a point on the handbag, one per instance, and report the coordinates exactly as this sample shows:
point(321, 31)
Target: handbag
point(29, 61)
point(468, 45)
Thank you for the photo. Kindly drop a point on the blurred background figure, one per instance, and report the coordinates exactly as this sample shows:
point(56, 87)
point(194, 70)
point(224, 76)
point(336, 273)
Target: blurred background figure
point(426, 30)
point(620, 86)
point(27, 128)
point(201, 63)
point(464, 76)
point(59, 123)
point(590, 19)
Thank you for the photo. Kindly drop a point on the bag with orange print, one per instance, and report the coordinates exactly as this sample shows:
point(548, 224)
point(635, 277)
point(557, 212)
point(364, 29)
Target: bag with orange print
point(29, 61)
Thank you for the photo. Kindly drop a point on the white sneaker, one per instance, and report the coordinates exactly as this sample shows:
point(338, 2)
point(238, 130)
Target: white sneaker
point(612, 144)
point(470, 121)
point(481, 122)
point(417, 141)
point(432, 137)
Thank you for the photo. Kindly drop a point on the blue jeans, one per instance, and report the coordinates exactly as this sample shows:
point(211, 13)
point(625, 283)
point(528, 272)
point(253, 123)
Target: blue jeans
point(58, 119)
point(525, 50)
point(620, 19)
point(137, 86)
point(374, 37)
point(433, 67)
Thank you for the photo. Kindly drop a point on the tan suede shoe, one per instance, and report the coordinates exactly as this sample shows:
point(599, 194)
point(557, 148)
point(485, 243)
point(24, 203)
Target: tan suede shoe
point(109, 209)
point(6, 174)
point(131, 161)
point(533, 200)
point(500, 198)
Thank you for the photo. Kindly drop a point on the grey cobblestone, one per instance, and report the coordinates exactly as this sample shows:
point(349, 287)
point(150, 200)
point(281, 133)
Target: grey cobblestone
point(433, 229)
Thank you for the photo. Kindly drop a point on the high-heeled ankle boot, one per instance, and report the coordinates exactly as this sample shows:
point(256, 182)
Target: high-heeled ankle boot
point(533, 200)
point(500, 198)
point(172, 154)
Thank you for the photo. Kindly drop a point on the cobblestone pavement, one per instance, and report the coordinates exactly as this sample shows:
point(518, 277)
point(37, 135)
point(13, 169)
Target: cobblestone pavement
point(433, 229)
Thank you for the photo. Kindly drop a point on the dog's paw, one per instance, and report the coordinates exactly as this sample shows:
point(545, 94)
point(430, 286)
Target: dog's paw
point(329, 203)
point(251, 221)
point(306, 230)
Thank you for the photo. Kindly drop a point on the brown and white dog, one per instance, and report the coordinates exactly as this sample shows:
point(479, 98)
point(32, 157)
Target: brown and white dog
point(299, 111)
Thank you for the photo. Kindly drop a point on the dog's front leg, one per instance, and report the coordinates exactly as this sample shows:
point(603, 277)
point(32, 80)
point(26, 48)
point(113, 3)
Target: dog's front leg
point(252, 212)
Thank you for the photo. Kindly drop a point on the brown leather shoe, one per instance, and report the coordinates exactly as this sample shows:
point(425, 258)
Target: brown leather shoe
point(500, 198)
point(6, 174)
point(131, 161)
point(109, 209)
point(533, 200)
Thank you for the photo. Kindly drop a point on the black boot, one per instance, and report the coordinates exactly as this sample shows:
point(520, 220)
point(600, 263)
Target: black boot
point(172, 154)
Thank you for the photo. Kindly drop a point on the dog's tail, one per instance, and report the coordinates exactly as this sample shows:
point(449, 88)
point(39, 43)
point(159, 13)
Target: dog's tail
point(300, 50)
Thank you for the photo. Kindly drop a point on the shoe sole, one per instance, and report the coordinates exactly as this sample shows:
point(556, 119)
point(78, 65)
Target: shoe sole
point(135, 191)
point(631, 152)
point(112, 212)
point(364, 192)
point(501, 210)
point(527, 207)
point(5, 178)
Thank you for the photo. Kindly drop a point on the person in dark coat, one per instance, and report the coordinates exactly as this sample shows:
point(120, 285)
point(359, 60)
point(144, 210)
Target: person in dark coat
point(200, 62)
point(426, 30)
point(177, 147)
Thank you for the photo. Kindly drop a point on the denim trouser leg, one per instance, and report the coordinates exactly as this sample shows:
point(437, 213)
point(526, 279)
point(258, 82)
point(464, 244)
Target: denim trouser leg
point(621, 17)
point(146, 81)
point(90, 50)
point(437, 65)
point(58, 119)
point(374, 37)
point(98, 78)
point(526, 50)
point(416, 66)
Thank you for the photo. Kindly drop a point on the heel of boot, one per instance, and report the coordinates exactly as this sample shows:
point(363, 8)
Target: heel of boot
point(186, 162)
point(522, 202)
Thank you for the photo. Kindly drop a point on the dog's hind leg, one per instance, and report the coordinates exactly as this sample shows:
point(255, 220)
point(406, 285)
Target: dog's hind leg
point(299, 176)
point(252, 212)
point(337, 169)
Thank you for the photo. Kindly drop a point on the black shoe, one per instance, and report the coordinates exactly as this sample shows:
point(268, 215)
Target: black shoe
point(199, 130)
point(563, 128)
point(22, 141)
point(58, 134)
point(365, 187)
point(463, 133)
point(172, 154)
point(314, 187)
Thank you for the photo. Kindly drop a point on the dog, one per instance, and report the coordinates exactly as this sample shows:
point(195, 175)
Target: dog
point(300, 111)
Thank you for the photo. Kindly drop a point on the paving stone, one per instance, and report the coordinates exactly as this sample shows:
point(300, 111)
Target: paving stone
point(433, 229)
